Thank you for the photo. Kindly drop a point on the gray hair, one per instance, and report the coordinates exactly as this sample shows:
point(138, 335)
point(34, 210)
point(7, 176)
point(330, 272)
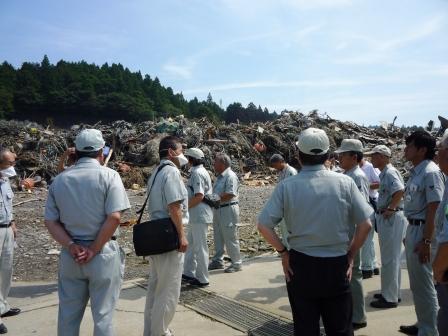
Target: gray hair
point(224, 159)
point(276, 158)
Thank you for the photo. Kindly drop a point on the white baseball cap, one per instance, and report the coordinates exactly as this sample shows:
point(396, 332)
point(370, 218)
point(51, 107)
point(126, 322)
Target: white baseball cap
point(89, 140)
point(380, 149)
point(195, 153)
point(350, 145)
point(313, 141)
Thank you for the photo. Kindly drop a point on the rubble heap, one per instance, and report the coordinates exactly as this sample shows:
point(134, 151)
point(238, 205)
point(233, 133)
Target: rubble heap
point(135, 146)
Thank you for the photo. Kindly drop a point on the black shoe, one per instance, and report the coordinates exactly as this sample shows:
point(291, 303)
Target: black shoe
point(376, 271)
point(357, 326)
point(409, 330)
point(196, 283)
point(187, 278)
point(12, 312)
point(3, 329)
point(383, 304)
point(380, 296)
point(367, 274)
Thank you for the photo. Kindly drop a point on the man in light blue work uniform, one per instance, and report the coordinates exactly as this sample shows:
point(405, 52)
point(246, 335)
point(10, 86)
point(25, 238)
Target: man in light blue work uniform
point(284, 171)
point(201, 216)
point(227, 217)
point(391, 224)
point(328, 219)
point(440, 264)
point(350, 154)
point(8, 231)
point(168, 199)
point(423, 193)
point(83, 213)
point(369, 264)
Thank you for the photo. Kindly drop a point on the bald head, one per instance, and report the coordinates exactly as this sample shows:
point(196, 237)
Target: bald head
point(7, 158)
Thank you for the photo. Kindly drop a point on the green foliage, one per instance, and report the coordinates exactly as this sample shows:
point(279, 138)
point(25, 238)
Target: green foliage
point(80, 92)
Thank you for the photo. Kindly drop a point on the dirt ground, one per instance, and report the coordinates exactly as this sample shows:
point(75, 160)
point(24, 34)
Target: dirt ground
point(36, 254)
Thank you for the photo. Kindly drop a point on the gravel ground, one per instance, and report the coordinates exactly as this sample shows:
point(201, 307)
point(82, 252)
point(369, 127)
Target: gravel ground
point(36, 254)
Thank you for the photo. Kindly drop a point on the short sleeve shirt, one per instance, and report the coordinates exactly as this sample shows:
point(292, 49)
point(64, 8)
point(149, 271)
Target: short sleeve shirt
point(373, 177)
point(200, 183)
point(168, 188)
point(227, 182)
point(83, 196)
point(320, 208)
point(425, 185)
point(6, 197)
point(391, 181)
point(360, 179)
point(288, 171)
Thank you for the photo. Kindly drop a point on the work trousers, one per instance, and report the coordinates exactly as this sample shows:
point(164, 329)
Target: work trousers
point(359, 309)
point(391, 232)
point(165, 276)
point(319, 288)
point(422, 284)
point(226, 235)
point(100, 280)
point(6, 262)
point(442, 317)
point(196, 258)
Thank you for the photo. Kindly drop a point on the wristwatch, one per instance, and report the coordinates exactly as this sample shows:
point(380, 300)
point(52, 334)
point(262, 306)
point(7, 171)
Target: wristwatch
point(426, 241)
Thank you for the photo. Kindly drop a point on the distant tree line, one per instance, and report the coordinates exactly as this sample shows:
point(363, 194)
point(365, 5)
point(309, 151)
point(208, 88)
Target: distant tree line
point(73, 92)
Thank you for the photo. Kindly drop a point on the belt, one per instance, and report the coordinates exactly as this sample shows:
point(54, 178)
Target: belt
point(416, 221)
point(5, 225)
point(228, 204)
point(380, 212)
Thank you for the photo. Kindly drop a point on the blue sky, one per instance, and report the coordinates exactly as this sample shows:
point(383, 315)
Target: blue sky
point(359, 60)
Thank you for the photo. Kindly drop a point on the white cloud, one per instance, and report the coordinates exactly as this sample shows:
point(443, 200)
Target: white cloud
point(180, 71)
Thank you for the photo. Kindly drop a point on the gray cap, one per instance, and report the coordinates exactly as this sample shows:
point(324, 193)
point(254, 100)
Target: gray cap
point(195, 153)
point(313, 141)
point(350, 145)
point(89, 140)
point(380, 149)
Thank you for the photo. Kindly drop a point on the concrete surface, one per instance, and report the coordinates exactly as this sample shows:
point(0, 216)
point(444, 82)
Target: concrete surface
point(261, 284)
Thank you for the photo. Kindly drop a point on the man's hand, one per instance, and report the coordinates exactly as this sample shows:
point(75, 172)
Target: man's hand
point(78, 252)
point(183, 244)
point(14, 229)
point(388, 213)
point(89, 255)
point(287, 270)
point(424, 252)
point(350, 267)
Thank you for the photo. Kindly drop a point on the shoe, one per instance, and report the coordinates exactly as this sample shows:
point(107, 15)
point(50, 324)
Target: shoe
point(376, 271)
point(3, 329)
point(383, 304)
point(187, 278)
point(233, 268)
point(197, 283)
point(409, 330)
point(11, 312)
point(357, 326)
point(367, 274)
point(214, 265)
point(380, 296)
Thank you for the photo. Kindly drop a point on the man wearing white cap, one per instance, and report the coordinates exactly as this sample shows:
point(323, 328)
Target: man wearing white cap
point(350, 154)
point(391, 224)
point(82, 214)
point(201, 216)
point(320, 209)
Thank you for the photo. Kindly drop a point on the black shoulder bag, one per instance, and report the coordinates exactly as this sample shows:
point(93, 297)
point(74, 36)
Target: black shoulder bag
point(156, 236)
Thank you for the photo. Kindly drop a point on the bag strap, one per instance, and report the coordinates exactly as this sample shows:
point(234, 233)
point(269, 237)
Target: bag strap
point(149, 193)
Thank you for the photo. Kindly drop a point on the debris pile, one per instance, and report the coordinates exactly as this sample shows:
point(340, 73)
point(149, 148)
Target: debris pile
point(135, 146)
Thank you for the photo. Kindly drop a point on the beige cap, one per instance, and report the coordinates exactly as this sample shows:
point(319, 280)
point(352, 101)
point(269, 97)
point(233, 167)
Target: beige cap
point(195, 153)
point(350, 145)
point(380, 149)
point(313, 141)
point(89, 140)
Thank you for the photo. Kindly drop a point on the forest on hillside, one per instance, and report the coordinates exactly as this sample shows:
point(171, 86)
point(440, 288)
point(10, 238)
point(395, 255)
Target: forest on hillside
point(72, 92)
